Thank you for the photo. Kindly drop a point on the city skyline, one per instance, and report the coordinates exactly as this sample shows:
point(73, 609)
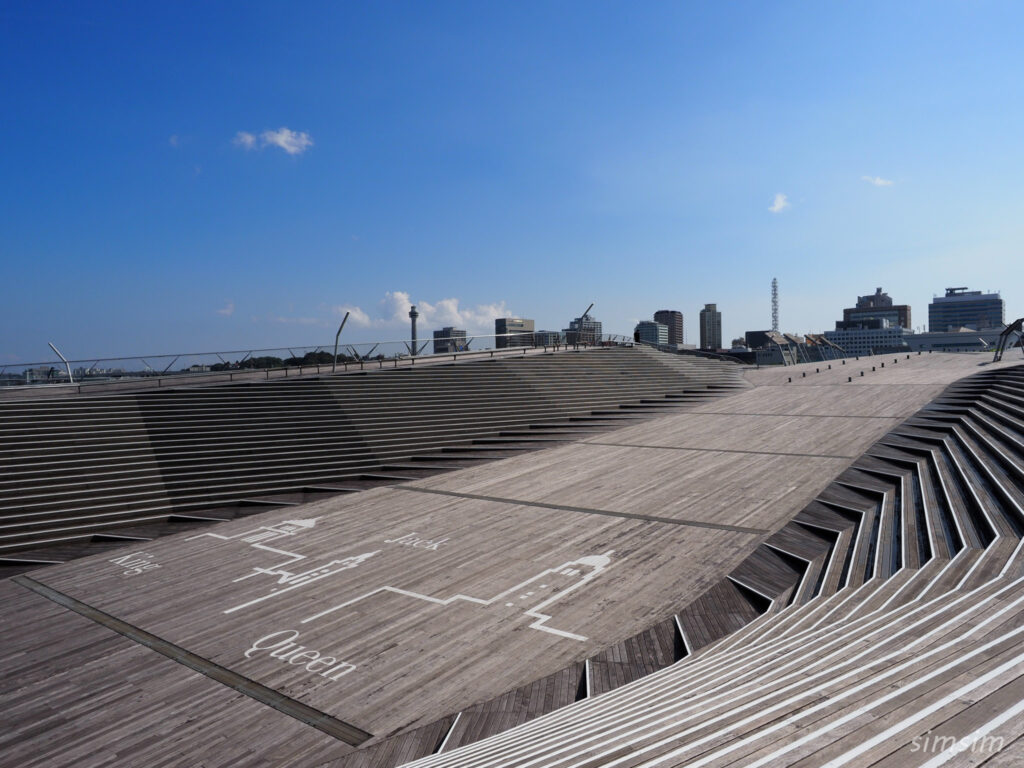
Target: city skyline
point(474, 321)
point(199, 178)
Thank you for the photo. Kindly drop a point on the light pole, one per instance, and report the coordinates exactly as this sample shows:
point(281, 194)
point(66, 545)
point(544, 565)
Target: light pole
point(334, 367)
point(66, 363)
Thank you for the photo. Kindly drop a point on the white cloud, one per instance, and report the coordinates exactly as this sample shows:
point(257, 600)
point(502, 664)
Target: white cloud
point(174, 140)
point(878, 181)
point(479, 318)
point(245, 140)
point(779, 204)
point(356, 315)
point(395, 306)
point(227, 310)
point(393, 312)
point(292, 142)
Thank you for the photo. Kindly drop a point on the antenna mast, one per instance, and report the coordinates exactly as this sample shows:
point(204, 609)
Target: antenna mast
point(775, 305)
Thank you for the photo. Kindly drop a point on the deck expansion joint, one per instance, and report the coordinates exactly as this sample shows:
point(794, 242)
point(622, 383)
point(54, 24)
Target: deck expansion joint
point(345, 732)
point(799, 415)
point(720, 450)
point(588, 510)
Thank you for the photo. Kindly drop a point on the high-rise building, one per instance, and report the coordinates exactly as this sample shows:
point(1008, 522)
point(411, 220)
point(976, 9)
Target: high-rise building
point(878, 306)
point(674, 321)
point(650, 332)
point(961, 308)
point(757, 339)
point(874, 336)
point(519, 326)
point(448, 340)
point(710, 327)
point(548, 338)
point(875, 326)
point(583, 330)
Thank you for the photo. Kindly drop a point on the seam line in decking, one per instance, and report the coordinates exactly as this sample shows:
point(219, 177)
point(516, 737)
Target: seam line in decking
point(339, 729)
point(718, 450)
point(586, 510)
point(796, 415)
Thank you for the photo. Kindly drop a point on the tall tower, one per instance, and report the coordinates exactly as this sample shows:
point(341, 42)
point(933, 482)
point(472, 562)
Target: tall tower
point(710, 327)
point(775, 305)
point(413, 314)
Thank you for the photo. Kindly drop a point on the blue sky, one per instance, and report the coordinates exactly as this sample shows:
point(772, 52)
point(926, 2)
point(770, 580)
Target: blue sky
point(195, 176)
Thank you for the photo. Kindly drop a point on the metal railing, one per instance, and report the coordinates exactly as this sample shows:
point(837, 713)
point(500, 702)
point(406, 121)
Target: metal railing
point(273, 362)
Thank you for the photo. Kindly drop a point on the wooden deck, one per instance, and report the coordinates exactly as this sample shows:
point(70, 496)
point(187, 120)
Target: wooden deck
point(77, 693)
point(77, 470)
point(457, 606)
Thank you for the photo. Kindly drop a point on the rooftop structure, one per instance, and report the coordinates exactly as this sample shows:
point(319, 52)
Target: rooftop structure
point(878, 305)
point(869, 337)
point(961, 308)
point(874, 326)
point(286, 440)
point(739, 572)
point(962, 340)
